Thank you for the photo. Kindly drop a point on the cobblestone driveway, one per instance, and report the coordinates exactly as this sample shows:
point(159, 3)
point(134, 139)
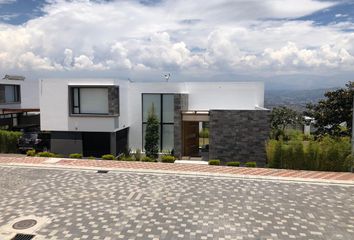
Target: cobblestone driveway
point(89, 205)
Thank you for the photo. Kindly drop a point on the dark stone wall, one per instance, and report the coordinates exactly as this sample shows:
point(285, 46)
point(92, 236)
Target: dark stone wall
point(239, 135)
point(180, 104)
point(113, 100)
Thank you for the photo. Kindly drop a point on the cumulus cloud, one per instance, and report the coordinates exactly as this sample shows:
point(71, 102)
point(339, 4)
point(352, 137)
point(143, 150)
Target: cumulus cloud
point(183, 36)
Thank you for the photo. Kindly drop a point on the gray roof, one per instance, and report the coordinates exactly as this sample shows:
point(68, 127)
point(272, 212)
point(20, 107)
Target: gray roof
point(14, 77)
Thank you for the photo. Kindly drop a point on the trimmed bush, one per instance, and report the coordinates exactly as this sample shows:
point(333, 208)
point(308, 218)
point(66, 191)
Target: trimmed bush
point(233, 164)
point(214, 162)
point(250, 164)
point(31, 153)
point(8, 141)
point(108, 157)
point(126, 158)
point(91, 158)
point(167, 159)
point(148, 159)
point(75, 155)
point(46, 154)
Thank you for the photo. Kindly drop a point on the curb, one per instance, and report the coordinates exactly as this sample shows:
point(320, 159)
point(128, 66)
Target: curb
point(187, 173)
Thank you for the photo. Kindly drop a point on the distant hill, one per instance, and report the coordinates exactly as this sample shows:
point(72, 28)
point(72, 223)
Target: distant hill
point(295, 99)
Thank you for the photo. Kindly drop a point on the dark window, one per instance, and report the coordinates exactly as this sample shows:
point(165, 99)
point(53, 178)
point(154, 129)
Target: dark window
point(10, 94)
point(164, 110)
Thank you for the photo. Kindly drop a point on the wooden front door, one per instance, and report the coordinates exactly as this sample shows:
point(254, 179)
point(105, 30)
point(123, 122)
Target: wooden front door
point(191, 139)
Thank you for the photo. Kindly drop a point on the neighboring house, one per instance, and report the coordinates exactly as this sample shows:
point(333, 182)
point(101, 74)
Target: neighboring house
point(19, 103)
point(100, 116)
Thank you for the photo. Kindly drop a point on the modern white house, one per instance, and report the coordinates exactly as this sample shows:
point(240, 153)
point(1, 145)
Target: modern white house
point(100, 116)
point(19, 102)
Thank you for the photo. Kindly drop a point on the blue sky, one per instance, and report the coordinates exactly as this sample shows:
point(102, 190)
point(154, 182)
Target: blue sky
point(286, 43)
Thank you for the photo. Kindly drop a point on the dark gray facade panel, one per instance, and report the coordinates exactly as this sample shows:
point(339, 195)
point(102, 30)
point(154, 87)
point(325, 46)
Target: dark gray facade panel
point(2, 93)
point(113, 100)
point(239, 135)
point(180, 104)
point(66, 142)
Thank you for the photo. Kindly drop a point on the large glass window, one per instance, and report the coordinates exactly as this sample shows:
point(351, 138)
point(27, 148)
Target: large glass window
point(89, 100)
point(164, 110)
point(10, 93)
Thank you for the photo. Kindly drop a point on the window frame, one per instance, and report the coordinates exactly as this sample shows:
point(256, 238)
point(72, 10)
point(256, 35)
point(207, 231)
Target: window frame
point(161, 122)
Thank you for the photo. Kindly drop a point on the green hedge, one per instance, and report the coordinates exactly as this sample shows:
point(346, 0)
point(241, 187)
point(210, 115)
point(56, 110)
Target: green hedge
point(46, 154)
point(326, 154)
point(31, 153)
point(108, 157)
point(167, 159)
point(214, 162)
point(8, 141)
point(75, 155)
point(233, 164)
point(250, 164)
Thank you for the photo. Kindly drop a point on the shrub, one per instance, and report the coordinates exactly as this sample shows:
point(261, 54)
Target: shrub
point(31, 153)
point(108, 157)
point(126, 158)
point(233, 164)
point(167, 159)
point(75, 155)
point(148, 159)
point(349, 162)
point(137, 154)
point(46, 154)
point(91, 158)
point(250, 164)
point(274, 152)
point(8, 141)
point(204, 133)
point(214, 162)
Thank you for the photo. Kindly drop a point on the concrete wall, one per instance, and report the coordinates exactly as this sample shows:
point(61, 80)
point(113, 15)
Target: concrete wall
point(239, 135)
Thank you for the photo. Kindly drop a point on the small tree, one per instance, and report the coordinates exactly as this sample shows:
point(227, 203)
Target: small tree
point(281, 118)
point(152, 135)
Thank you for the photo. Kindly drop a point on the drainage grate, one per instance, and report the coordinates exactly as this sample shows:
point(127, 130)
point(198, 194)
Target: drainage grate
point(20, 236)
point(24, 224)
point(102, 171)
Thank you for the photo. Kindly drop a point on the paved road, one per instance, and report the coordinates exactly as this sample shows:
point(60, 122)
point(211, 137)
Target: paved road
point(89, 205)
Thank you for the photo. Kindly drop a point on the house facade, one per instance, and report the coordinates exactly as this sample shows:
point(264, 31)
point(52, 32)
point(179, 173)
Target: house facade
point(100, 116)
point(19, 103)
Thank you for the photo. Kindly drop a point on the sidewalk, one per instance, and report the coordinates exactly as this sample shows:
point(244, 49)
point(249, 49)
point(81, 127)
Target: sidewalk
point(241, 172)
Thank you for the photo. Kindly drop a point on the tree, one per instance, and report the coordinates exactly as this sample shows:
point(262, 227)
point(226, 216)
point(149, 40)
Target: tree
point(331, 112)
point(283, 117)
point(152, 135)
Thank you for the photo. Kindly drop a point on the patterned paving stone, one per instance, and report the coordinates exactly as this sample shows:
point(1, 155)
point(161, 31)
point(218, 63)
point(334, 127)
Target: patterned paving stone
point(88, 205)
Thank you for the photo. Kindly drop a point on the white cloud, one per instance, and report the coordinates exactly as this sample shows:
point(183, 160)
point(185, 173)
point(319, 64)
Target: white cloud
point(229, 36)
